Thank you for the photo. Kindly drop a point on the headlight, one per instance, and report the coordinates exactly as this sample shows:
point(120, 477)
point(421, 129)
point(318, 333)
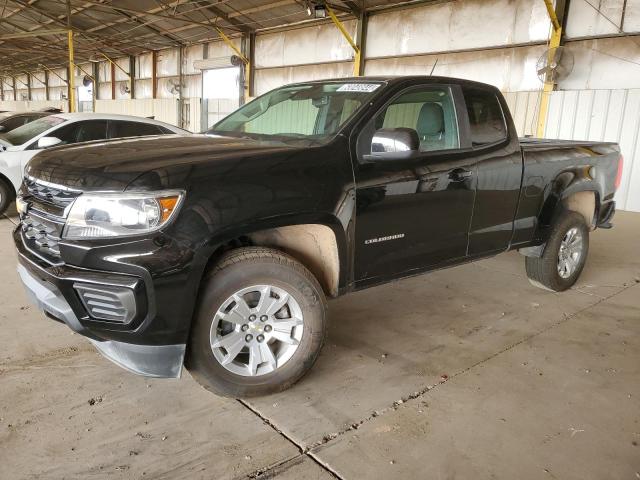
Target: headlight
point(100, 215)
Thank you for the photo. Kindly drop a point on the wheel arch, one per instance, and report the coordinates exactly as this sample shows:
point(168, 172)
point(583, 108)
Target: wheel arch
point(5, 179)
point(567, 193)
point(320, 244)
point(573, 191)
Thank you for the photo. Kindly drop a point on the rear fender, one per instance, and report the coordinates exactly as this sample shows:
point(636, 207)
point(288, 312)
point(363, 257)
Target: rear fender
point(572, 191)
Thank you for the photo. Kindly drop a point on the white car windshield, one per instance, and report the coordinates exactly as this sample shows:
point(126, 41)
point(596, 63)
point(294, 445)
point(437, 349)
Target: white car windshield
point(32, 129)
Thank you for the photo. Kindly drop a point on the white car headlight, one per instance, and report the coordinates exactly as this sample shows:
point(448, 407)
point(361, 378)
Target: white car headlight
point(100, 215)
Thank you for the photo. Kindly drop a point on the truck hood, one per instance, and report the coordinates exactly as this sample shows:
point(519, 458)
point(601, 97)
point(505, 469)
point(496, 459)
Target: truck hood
point(116, 164)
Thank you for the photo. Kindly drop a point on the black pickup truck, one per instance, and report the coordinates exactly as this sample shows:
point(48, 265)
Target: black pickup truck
point(218, 251)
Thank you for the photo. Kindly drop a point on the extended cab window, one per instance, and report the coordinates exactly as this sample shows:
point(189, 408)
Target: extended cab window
point(486, 120)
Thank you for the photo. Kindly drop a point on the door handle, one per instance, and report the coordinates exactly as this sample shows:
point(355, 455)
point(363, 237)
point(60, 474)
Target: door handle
point(460, 174)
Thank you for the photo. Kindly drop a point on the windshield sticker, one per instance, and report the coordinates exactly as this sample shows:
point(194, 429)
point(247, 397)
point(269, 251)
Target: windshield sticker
point(359, 87)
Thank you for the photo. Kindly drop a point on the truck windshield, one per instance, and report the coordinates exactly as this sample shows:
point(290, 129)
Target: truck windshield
point(313, 112)
point(32, 129)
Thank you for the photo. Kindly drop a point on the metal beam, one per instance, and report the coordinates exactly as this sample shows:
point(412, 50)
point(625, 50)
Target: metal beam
point(154, 74)
point(356, 49)
point(37, 33)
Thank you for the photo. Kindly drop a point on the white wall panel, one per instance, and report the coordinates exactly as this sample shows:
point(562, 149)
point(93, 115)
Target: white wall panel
point(144, 88)
point(144, 65)
point(602, 115)
point(104, 71)
point(632, 16)
point(191, 54)
point(192, 86)
point(25, 106)
point(38, 94)
point(270, 78)
point(58, 93)
point(606, 63)
point(37, 81)
point(168, 62)
point(584, 20)
point(123, 63)
point(104, 91)
point(221, 49)
point(317, 44)
point(456, 26)
point(165, 110)
point(510, 69)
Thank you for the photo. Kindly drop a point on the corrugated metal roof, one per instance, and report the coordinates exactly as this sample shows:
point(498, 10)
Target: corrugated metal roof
point(131, 27)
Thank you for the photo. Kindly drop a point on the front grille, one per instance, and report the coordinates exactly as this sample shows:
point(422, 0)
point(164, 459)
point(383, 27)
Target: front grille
point(46, 192)
point(42, 234)
point(111, 304)
point(43, 219)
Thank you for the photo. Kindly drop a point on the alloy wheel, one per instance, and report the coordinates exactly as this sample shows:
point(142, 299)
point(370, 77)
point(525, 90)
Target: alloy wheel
point(256, 330)
point(570, 253)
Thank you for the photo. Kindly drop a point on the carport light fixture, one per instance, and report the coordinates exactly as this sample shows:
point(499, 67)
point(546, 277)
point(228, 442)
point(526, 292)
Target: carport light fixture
point(320, 11)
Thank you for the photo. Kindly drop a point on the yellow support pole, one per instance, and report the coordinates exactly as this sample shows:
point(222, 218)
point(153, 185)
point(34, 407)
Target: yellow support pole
point(356, 50)
point(72, 73)
point(245, 60)
point(554, 42)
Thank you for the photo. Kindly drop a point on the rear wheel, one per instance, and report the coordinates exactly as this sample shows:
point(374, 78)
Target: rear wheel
point(6, 196)
point(260, 324)
point(564, 255)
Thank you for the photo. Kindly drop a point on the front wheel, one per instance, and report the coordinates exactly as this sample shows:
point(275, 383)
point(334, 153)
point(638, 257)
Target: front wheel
point(6, 196)
point(564, 255)
point(260, 324)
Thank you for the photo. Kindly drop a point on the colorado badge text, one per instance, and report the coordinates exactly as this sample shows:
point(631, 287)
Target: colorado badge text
point(384, 239)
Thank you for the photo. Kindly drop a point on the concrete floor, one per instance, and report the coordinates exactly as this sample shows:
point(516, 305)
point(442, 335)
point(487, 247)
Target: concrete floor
point(463, 373)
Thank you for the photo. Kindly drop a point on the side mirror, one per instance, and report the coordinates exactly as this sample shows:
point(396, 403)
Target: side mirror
point(394, 144)
point(2, 128)
point(46, 142)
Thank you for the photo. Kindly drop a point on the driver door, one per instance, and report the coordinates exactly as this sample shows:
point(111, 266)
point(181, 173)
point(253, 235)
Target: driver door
point(414, 213)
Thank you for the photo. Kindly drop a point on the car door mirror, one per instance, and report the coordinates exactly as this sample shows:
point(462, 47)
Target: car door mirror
point(46, 142)
point(394, 144)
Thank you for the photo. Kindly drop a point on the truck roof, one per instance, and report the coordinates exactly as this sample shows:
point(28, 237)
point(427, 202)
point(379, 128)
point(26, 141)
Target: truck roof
point(400, 78)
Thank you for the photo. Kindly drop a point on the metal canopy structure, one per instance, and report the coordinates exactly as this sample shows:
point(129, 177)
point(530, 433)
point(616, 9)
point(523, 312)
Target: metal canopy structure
point(34, 32)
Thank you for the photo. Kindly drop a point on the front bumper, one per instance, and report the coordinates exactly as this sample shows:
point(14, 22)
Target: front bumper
point(148, 360)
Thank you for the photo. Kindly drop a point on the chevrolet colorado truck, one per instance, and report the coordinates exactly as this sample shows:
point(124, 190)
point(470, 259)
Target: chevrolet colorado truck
point(218, 251)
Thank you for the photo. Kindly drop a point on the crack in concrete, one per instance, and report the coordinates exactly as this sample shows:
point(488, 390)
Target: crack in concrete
point(356, 425)
point(308, 450)
point(265, 472)
point(9, 218)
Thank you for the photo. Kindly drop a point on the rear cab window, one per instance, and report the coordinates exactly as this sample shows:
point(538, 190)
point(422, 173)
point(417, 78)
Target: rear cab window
point(487, 123)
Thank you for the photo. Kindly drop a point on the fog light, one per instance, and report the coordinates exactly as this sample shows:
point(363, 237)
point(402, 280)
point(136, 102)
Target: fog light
point(107, 303)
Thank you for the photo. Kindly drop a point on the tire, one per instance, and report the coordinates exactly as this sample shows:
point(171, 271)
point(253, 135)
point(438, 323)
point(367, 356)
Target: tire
point(551, 271)
point(6, 196)
point(293, 351)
